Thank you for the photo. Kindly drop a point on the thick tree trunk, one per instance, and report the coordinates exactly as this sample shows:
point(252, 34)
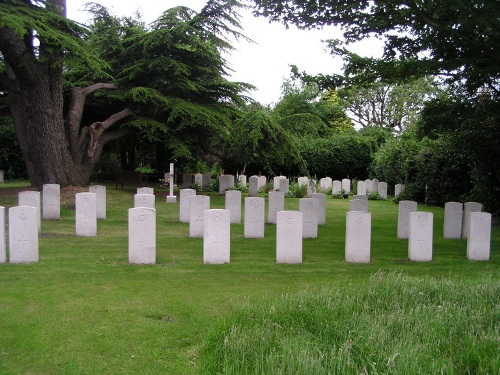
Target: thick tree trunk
point(54, 150)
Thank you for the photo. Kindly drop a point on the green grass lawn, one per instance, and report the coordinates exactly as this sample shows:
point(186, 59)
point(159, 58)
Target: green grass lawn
point(84, 310)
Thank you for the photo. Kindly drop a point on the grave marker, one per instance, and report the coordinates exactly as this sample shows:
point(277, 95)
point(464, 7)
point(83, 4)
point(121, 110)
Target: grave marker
point(453, 220)
point(226, 181)
point(358, 237)
point(85, 214)
point(276, 204)
point(23, 234)
point(254, 217)
point(420, 236)
point(382, 190)
point(184, 195)
point(398, 189)
point(346, 185)
point(216, 236)
point(358, 205)
point(145, 190)
point(100, 195)
point(253, 186)
point(321, 197)
point(309, 209)
point(404, 210)
point(479, 236)
point(144, 200)
point(51, 202)
point(142, 235)
point(289, 237)
point(3, 249)
point(232, 203)
point(325, 184)
point(171, 198)
point(336, 187)
point(31, 199)
point(197, 206)
point(468, 208)
point(361, 190)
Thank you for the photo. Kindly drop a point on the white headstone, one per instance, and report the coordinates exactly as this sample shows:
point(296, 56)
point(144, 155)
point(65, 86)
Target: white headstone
point(100, 195)
point(363, 197)
point(85, 214)
point(309, 209)
point(198, 179)
point(216, 236)
point(242, 179)
point(144, 200)
point(145, 190)
point(420, 236)
point(276, 182)
point(197, 206)
point(325, 184)
point(262, 182)
point(382, 190)
point(184, 195)
point(346, 185)
point(404, 210)
point(226, 181)
point(321, 207)
point(361, 188)
point(479, 236)
point(370, 186)
point(284, 185)
point(375, 185)
point(51, 202)
point(142, 235)
point(3, 249)
point(336, 187)
point(232, 203)
point(358, 205)
point(358, 237)
point(453, 220)
point(31, 199)
point(23, 234)
point(468, 208)
point(289, 237)
point(398, 189)
point(303, 181)
point(254, 217)
point(276, 204)
point(253, 186)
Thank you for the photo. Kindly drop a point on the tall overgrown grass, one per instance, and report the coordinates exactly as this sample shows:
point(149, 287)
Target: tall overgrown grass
point(395, 324)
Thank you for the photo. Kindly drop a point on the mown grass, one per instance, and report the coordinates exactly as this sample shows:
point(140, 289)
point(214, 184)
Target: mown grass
point(84, 310)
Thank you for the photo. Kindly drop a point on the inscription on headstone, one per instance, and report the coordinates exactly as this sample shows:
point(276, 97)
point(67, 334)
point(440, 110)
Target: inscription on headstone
point(358, 237)
point(404, 210)
point(479, 236)
point(142, 235)
point(32, 199)
point(254, 217)
point(289, 237)
point(197, 206)
point(184, 195)
point(453, 220)
point(85, 214)
point(51, 202)
point(100, 195)
point(23, 234)
point(232, 203)
point(216, 236)
point(309, 209)
point(276, 204)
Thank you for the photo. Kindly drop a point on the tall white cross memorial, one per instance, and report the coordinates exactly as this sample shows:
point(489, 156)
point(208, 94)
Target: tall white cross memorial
point(171, 198)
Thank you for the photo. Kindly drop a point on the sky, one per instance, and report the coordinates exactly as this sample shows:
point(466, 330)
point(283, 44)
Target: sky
point(264, 63)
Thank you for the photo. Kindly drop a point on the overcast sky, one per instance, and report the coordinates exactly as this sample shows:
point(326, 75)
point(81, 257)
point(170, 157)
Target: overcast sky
point(264, 64)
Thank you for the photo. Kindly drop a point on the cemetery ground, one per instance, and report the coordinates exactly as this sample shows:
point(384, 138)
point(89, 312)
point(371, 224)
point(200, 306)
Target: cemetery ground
point(82, 309)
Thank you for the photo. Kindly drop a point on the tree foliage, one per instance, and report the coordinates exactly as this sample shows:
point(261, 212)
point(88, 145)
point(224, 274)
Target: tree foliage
point(457, 38)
